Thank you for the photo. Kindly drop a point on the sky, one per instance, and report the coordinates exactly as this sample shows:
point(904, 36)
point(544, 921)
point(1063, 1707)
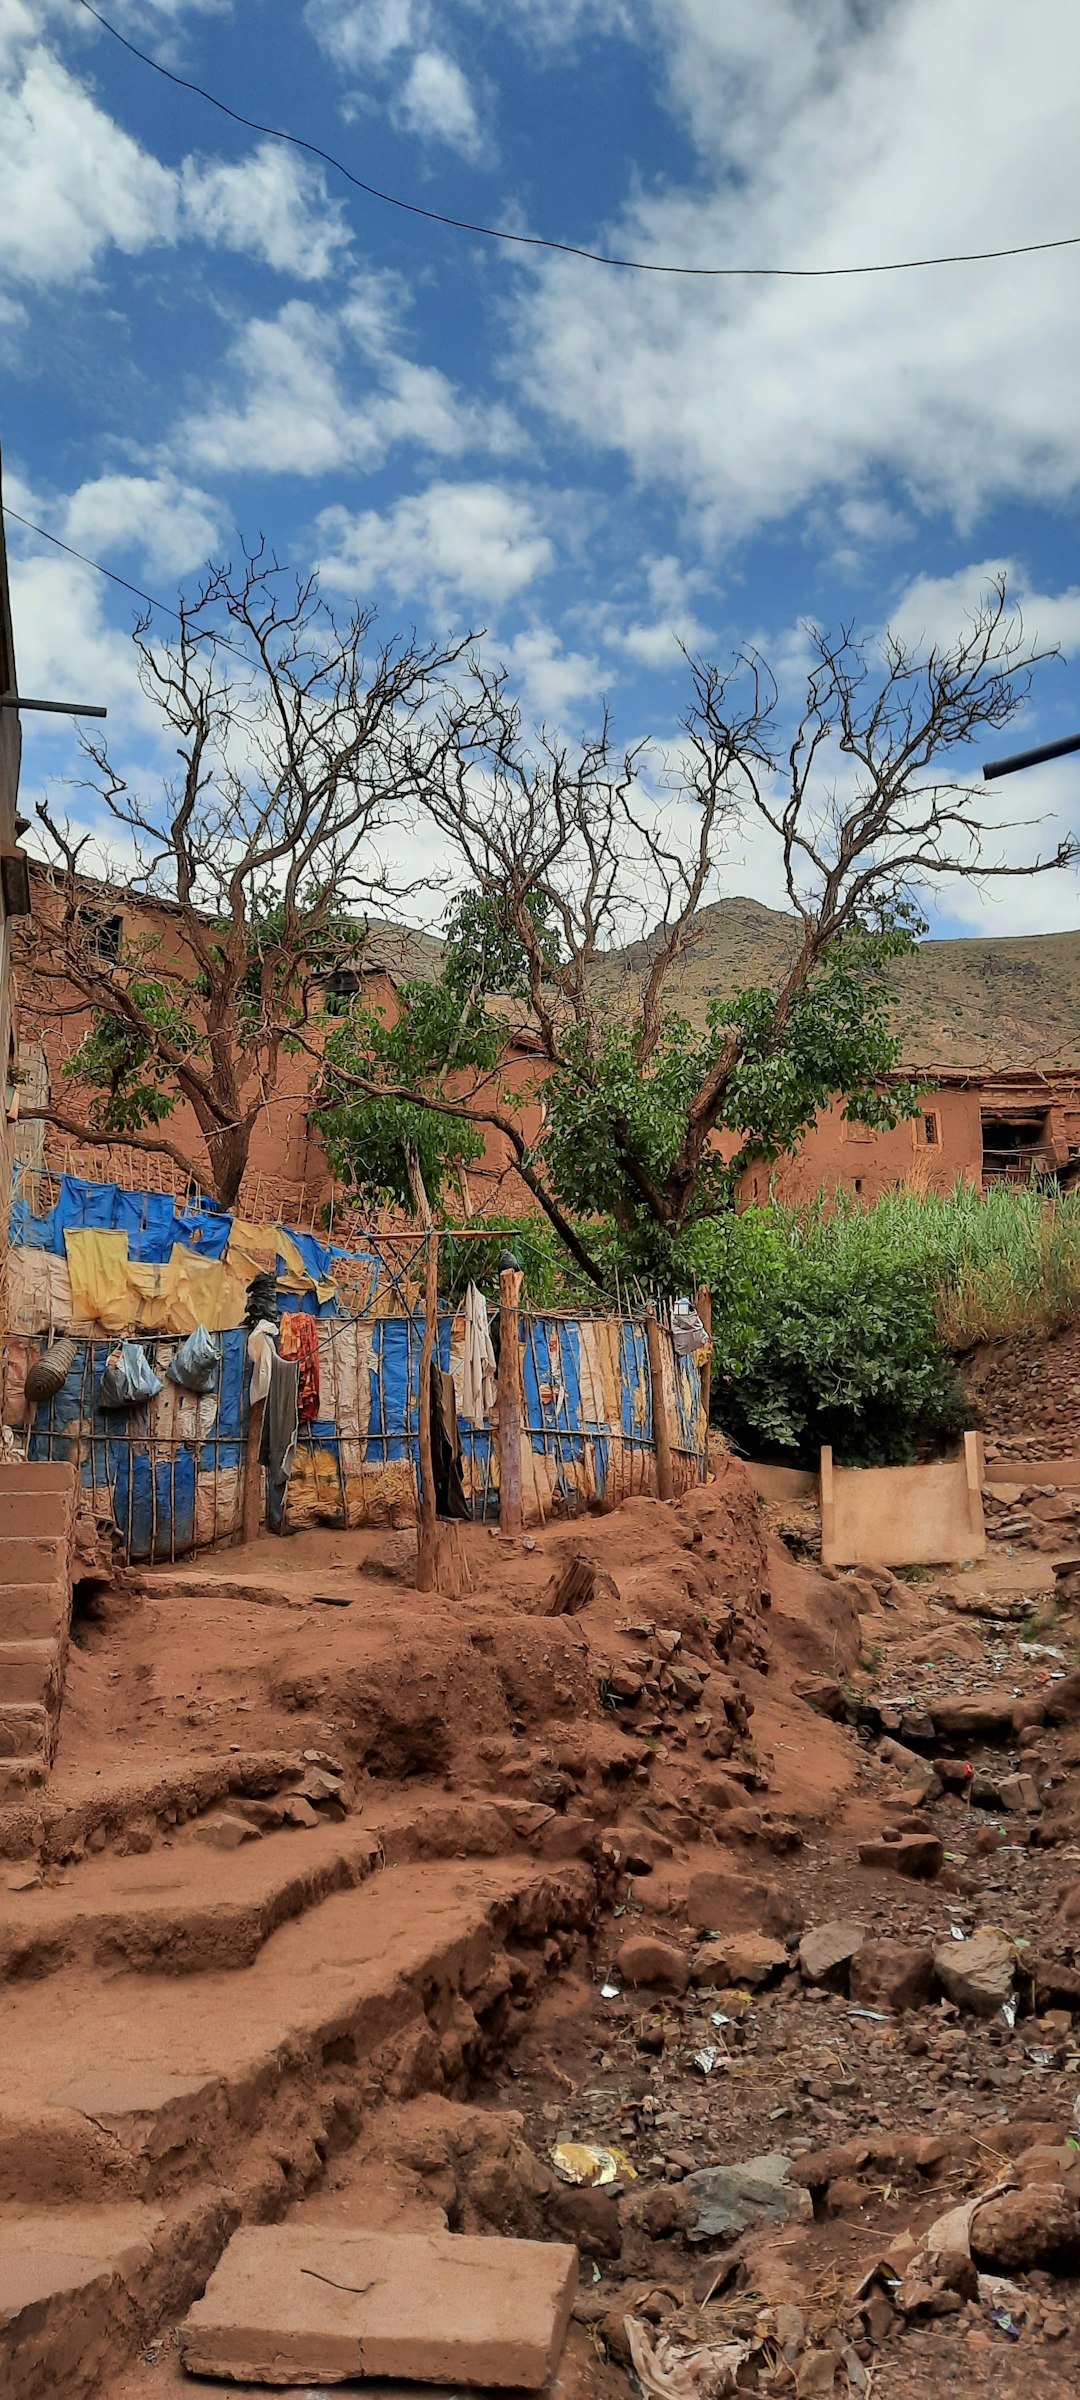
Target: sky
point(207, 337)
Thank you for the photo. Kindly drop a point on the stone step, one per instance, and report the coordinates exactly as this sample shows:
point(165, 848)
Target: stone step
point(82, 1812)
point(34, 1558)
point(35, 1512)
point(31, 1671)
point(35, 1612)
point(82, 2287)
point(136, 2087)
point(38, 1475)
point(193, 1907)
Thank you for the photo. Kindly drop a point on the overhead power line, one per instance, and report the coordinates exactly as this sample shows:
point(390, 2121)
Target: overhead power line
point(539, 241)
point(125, 586)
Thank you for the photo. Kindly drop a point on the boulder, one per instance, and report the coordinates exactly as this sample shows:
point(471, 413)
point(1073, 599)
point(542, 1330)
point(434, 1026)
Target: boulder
point(749, 1959)
point(721, 2202)
point(644, 1959)
point(1036, 2227)
point(720, 1901)
point(977, 1973)
point(893, 1975)
point(920, 1855)
point(826, 1953)
point(977, 1716)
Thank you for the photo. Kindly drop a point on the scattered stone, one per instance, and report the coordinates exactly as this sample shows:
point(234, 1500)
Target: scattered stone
point(721, 1901)
point(1038, 2226)
point(296, 1811)
point(227, 1832)
point(826, 1953)
point(720, 2202)
point(749, 1959)
point(977, 1716)
point(920, 1855)
point(24, 1879)
point(822, 1693)
point(893, 1975)
point(977, 1973)
point(815, 2373)
point(644, 1959)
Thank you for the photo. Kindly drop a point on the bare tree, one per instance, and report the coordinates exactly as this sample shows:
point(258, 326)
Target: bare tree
point(573, 853)
point(246, 878)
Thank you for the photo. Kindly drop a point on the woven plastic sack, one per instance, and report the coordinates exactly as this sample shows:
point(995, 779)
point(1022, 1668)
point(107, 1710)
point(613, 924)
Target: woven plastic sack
point(194, 1366)
point(128, 1379)
point(50, 1372)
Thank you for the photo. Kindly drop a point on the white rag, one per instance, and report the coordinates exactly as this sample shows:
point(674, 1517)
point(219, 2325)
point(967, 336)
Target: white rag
point(262, 1350)
point(478, 1384)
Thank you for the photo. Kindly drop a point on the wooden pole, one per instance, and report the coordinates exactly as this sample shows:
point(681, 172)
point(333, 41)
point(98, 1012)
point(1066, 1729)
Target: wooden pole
point(511, 1515)
point(665, 1477)
point(704, 1310)
point(427, 1547)
point(252, 1503)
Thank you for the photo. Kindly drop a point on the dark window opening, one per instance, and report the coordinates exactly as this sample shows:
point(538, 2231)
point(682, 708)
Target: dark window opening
point(932, 1129)
point(1014, 1146)
point(340, 990)
point(103, 934)
point(858, 1183)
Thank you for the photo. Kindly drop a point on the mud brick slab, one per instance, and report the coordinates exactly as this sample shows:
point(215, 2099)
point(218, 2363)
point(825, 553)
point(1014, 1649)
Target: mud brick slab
point(295, 2304)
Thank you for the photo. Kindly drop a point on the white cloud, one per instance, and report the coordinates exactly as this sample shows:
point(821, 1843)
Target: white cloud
point(272, 206)
point(551, 680)
point(76, 185)
point(174, 526)
point(399, 45)
point(297, 409)
point(475, 541)
point(66, 649)
point(437, 104)
point(934, 608)
point(838, 134)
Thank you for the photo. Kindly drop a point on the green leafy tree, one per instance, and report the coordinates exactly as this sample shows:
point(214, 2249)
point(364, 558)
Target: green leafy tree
point(567, 853)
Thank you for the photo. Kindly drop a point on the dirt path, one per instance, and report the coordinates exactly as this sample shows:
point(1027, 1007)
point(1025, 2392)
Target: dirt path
point(360, 1913)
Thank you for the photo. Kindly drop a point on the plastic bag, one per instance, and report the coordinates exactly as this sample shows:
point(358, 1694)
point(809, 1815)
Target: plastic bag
point(195, 1364)
point(128, 1379)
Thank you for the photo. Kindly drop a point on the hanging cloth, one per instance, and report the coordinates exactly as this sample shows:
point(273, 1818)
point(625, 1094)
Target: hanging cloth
point(478, 1383)
point(278, 1448)
point(299, 1339)
point(450, 1500)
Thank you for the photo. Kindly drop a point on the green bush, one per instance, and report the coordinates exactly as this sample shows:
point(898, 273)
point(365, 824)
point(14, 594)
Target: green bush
point(822, 1336)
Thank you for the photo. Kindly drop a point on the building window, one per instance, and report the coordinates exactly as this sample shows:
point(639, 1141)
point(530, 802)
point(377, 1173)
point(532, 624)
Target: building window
point(1014, 1146)
point(102, 933)
point(931, 1129)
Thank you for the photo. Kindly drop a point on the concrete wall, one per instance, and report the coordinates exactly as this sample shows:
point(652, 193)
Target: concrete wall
point(903, 1516)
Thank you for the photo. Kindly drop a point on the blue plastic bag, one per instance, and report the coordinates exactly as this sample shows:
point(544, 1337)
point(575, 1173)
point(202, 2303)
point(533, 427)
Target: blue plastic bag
point(194, 1366)
point(128, 1379)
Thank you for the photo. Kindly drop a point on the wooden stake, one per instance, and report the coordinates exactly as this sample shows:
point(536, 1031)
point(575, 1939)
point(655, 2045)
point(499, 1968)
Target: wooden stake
point(704, 1310)
point(252, 1504)
point(427, 1548)
point(665, 1477)
point(511, 1514)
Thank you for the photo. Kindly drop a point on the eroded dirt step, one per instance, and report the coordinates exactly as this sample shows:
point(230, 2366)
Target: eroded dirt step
point(218, 2099)
point(136, 2086)
point(211, 1899)
point(79, 1814)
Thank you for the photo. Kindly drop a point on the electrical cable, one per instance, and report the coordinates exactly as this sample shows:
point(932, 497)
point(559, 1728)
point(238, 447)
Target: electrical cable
point(539, 241)
point(222, 642)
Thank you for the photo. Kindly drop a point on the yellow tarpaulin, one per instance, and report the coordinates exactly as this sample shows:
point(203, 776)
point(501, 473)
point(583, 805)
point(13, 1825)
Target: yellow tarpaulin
point(124, 1296)
point(256, 1249)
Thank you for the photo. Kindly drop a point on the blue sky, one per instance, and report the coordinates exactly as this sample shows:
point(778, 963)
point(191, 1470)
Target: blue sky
point(201, 332)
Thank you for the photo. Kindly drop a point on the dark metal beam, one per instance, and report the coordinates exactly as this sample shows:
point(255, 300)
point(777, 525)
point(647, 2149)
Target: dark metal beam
point(52, 708)
point(1029, 758)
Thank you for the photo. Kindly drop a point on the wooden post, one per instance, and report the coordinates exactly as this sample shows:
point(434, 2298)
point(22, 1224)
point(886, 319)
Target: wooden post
point(704, 1310)
point(427, 1547)
point(252, 1503)
point(665, 1478)
point(511, 1515)
point(827, 1493)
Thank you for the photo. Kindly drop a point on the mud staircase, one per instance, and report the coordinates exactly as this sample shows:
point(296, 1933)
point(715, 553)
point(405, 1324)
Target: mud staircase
point(37, 1522)
point(203, 2015)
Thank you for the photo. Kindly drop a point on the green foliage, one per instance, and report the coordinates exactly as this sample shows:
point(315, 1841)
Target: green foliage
point(483, 952)
point(824, 1336)
point(122, 1068)
point(615, 1128)
point(368, 1138)
point(550, 1278)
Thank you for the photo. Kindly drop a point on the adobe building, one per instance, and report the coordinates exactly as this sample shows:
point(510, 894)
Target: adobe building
point(978, 1122)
